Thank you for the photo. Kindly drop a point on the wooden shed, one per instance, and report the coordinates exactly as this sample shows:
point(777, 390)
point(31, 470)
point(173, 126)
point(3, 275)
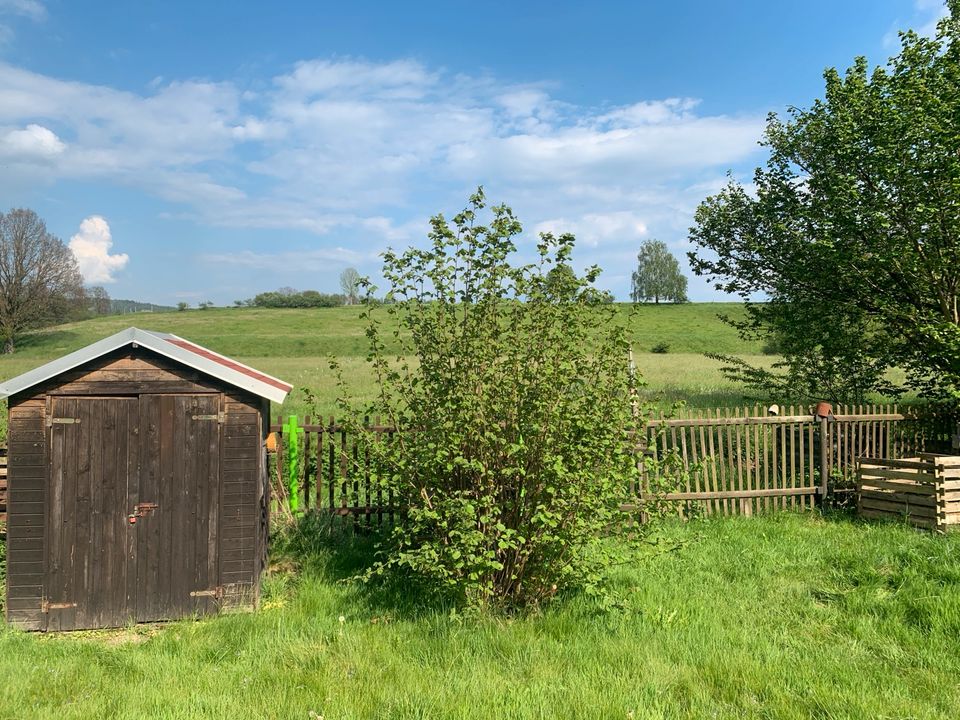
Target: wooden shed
point(138, 486)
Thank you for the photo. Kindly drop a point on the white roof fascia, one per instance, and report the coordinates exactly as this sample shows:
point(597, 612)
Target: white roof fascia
point(160, 344)
point(152, 342)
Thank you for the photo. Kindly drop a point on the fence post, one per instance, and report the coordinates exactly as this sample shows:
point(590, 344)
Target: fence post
point(293, 462)
point(824, 463)
point(823, 412)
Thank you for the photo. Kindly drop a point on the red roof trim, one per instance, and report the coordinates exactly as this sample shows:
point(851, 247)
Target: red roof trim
point(220, 360)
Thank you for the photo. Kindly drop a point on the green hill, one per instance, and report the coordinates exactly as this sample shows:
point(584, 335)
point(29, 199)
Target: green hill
point(296, 344)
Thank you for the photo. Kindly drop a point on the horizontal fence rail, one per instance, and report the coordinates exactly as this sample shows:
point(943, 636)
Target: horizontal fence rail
point(739, 460)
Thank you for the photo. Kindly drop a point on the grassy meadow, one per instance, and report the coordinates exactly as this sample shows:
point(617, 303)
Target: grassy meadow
point(780, 616)
point(296, 345)
point(789, 616)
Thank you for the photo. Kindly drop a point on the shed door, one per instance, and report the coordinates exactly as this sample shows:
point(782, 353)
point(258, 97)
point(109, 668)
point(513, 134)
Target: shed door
point(153, 457)
point(177, 560)
point(93, 481)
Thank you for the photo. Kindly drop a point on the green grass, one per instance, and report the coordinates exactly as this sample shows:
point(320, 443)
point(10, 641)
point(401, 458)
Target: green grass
point(296, 345)
point(789, 616)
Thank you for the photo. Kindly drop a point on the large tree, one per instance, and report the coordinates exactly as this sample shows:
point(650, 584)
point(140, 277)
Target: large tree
point(658, 275)
point(853, 226)
point(40, 282)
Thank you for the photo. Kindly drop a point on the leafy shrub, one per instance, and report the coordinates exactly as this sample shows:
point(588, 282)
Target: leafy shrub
point(510, 459)
point(661, 348)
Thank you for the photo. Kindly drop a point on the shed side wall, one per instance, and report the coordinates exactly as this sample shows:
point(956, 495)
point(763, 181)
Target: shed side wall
point(240, 498)
point(26, 510)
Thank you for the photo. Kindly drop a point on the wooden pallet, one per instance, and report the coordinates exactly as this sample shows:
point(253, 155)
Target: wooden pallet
point(924, 490)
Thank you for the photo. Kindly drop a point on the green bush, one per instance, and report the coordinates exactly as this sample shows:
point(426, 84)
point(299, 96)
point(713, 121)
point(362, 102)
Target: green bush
point(661, 348)
point(510, 459)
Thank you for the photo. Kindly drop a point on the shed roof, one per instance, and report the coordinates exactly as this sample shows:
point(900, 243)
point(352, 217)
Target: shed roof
point(171, 346)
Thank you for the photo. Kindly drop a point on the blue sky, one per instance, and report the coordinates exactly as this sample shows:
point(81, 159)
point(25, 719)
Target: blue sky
point(209, 151)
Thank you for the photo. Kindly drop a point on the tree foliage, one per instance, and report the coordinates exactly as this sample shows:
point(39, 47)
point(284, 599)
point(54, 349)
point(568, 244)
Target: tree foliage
point(509, 458)
point(658, 275)
point(40, 282)
point(852, 229)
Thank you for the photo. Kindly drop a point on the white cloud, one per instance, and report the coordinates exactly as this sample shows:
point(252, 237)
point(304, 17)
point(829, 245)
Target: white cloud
point(34, 141)
point(91, 246)
point(288, 261)
point(927, 14)
point(32, 9)
point(593, 229)
point(935, 11)
point(359, 153)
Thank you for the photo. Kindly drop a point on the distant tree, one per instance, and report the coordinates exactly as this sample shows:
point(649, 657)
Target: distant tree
point(560, 278)
point(40, 282)
point(205, 304)
point(305, 299)
point(99, 300)
point(658, 275)
point(181, 306)
point(239, 303)
point(350, 285)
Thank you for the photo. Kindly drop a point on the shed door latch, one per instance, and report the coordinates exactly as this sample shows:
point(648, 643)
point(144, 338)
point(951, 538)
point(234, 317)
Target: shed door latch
point(62, 421)
point(218, 417)
point(46, 606)
point(216, 593)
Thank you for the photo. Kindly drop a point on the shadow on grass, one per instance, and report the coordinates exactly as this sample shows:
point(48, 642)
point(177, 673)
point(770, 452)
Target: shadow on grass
point(339, 551)
point(666, 398)
point(43, 339)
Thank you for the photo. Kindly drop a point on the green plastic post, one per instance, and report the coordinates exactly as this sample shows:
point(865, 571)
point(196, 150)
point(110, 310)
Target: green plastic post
point(292, 433)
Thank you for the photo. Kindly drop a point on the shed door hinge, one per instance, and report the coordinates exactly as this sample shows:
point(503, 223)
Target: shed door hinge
point(62, 421)
point(217, 416)
point(216, 593)
point(46, 606)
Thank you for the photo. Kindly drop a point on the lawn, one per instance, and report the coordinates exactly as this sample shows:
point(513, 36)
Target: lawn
point(788, 616)
point(296, 345)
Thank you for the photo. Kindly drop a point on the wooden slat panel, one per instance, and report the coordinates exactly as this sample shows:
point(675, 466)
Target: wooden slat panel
point(914, 478)
point(898, 508)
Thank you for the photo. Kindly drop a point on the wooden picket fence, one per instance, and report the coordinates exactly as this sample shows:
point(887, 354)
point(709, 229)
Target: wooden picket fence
point(335, 472)
point(741, 460)
point(745, 460)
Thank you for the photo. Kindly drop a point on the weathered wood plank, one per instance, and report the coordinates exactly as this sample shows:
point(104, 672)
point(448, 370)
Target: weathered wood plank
point(899, 498)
